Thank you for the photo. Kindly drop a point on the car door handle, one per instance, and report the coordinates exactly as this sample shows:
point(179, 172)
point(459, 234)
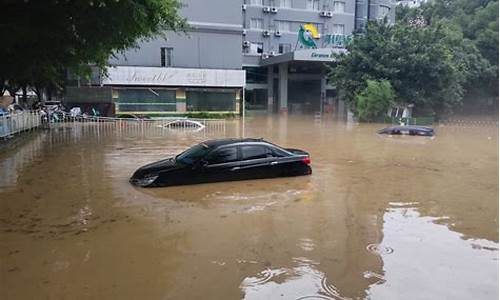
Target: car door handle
point(273, 163)
point(234, 169)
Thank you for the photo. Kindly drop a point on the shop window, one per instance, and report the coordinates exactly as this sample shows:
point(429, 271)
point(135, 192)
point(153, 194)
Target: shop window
point(210, 101)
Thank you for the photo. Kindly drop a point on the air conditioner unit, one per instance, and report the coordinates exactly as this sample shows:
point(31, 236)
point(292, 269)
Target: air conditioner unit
point(329, 14)
point(274, 10)
point(272, 53)
point(244, 7)
point(244, 32)
point(246, 44)
point(265, 55)
point(277, 33)
point(266, 9)
point(323, 14)
point(266, 33)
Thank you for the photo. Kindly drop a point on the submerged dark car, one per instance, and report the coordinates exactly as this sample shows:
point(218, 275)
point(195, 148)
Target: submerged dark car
point(224, 160)
point(408, 130)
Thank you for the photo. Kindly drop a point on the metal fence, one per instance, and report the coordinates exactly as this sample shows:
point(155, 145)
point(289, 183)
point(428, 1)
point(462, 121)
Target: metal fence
point(159, 126)
point(15, 123)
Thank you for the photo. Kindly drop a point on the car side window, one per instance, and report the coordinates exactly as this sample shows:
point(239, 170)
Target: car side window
point(223, 155)
point(255, 152)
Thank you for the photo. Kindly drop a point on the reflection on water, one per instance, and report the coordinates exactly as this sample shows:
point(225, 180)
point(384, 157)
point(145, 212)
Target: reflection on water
point(432, 262)
point(380, 217)
point(302, 281)
point(428, 262)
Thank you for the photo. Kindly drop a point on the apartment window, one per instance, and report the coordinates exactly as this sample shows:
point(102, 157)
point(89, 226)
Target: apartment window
point(339, 6)
point(338, 29)
point(285, 3)
point(255, 2)
point(283, 26)
point(284, 48)
point(257, 23)
point(312, 4)
point(256, 48)
point(383, 11)
point(167, 56)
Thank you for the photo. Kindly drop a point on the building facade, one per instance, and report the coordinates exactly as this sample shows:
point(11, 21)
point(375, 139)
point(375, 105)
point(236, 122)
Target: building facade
point(269, 54)
point(283, 73)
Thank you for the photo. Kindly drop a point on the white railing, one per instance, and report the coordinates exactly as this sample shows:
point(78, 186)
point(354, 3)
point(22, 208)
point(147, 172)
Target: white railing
point(14, 123)
point(142, 126)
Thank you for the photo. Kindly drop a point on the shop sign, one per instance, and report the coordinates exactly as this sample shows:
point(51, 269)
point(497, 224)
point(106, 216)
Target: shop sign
point(156, 76)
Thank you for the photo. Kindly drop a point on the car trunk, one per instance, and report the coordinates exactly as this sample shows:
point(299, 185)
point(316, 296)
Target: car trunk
point(296, 151)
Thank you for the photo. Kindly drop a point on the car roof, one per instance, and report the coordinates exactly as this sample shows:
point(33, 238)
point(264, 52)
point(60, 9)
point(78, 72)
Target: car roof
point(221, 142)
point(421, 128)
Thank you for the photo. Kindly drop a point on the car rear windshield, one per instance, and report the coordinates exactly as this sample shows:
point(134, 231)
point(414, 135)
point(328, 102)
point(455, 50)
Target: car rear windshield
point(193, 154)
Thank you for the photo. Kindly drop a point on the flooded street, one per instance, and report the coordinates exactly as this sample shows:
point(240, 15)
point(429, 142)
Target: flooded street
point(380, 218)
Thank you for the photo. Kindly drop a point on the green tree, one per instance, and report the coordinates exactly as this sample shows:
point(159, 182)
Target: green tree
point(427, 65)
point(478, 22)
point(374, 100)
point(44, 39)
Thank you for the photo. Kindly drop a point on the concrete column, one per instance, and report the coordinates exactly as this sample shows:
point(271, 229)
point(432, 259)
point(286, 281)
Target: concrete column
point(180, 100)
point(270, 89)
point(322, 97)
point(283, 87)
point(237, 101)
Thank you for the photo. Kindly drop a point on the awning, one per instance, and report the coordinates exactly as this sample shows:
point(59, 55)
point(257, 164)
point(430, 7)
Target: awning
point(313, 55)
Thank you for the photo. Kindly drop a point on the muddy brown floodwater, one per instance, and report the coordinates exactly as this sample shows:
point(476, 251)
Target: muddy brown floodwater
point(380, 218)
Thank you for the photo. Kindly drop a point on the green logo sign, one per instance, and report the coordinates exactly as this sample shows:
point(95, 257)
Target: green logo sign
point(336, 40)
point(307, 34)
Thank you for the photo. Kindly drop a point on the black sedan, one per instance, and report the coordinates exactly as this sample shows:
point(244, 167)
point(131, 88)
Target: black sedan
point(224, 160)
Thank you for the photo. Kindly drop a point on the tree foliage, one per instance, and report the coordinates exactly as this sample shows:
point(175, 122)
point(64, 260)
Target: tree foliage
point(478, 22)
point(374, 100)
point(44, 39)
point(428, 56)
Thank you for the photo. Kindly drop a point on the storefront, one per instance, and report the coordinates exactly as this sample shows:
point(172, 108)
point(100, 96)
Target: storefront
point(166, 91)
point(294, 82)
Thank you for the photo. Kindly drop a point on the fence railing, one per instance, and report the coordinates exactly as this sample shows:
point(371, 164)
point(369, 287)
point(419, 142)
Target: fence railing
point(143, 126)
point(15, 123)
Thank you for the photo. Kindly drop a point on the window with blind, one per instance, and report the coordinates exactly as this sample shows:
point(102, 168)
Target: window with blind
point(257, 23)
point(285, 3)
point(383, 11)
point(312, 4)
point(339, 6)
point(210, 101)
point(255, 2)
point(338, 29)
point(283, 26)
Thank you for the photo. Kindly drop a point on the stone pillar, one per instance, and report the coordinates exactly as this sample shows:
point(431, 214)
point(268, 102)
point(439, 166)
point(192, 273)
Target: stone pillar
point(341, 114)
point(270, 89)
point(180, 100)
point(237, 103)
point(283, 87)
point(322, 97)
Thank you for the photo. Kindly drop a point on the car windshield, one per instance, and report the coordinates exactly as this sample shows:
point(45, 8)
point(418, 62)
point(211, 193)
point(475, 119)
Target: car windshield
point(193, 154)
